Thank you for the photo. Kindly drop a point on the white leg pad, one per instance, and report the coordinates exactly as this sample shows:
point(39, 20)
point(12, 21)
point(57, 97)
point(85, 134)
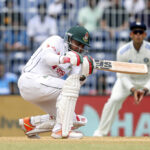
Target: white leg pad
point(68, 116)
point(66, 104)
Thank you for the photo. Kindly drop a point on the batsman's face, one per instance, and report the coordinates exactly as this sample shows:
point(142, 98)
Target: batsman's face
point(138, 35)
point(77, 46)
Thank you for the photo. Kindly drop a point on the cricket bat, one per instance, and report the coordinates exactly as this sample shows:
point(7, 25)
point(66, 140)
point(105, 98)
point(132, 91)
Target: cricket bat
point(121, 67)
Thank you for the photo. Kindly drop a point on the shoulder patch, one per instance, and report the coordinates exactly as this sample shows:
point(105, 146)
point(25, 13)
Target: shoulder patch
point(147, 46)
point(124, 49)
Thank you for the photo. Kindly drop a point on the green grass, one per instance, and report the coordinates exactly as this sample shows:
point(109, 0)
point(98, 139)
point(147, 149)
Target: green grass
point(47, 143)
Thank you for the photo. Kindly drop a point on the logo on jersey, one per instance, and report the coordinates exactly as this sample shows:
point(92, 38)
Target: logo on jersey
point(58, 70)
point(146, 60)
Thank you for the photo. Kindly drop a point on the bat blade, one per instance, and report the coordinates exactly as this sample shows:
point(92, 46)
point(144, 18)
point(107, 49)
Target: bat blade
point(121, 67)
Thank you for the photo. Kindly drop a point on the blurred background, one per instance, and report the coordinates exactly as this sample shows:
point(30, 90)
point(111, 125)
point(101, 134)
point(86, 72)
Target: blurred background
point(25, 24)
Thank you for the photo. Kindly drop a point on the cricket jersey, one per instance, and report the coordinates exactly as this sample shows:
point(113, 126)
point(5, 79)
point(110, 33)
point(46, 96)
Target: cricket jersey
point(128, 53)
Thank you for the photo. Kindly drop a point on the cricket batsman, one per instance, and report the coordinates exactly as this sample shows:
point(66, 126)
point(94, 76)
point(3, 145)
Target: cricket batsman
point(41, 84)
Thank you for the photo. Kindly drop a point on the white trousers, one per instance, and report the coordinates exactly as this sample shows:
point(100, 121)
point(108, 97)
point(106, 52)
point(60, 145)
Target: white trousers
point(111, 108)
point(41, 91)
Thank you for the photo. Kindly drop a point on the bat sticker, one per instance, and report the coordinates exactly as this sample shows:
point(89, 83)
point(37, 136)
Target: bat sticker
point(103, 64)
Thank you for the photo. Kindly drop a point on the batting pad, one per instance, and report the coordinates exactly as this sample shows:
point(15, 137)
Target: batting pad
point(67, 103)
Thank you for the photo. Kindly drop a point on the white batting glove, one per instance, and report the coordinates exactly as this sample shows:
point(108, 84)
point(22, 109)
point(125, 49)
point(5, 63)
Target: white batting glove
point(88, 65)
point(72, 57)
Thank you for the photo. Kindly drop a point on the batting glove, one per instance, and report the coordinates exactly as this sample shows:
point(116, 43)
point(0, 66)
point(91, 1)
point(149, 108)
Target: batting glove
point(71, 57)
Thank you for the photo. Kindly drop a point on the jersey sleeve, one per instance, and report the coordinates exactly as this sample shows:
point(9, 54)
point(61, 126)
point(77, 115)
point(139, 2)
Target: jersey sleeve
point(50, 56)
point(52, 49)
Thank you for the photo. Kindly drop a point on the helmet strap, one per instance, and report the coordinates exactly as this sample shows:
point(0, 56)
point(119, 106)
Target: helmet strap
point(69, 43)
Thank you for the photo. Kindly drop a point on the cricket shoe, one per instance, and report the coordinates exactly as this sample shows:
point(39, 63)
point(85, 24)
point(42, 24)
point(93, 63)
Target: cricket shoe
point(33, 131)
point(97, 134)
point(72, 135)
point(79, 121)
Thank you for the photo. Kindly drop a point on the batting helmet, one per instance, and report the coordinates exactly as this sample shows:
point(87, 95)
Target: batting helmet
point(79, 34)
